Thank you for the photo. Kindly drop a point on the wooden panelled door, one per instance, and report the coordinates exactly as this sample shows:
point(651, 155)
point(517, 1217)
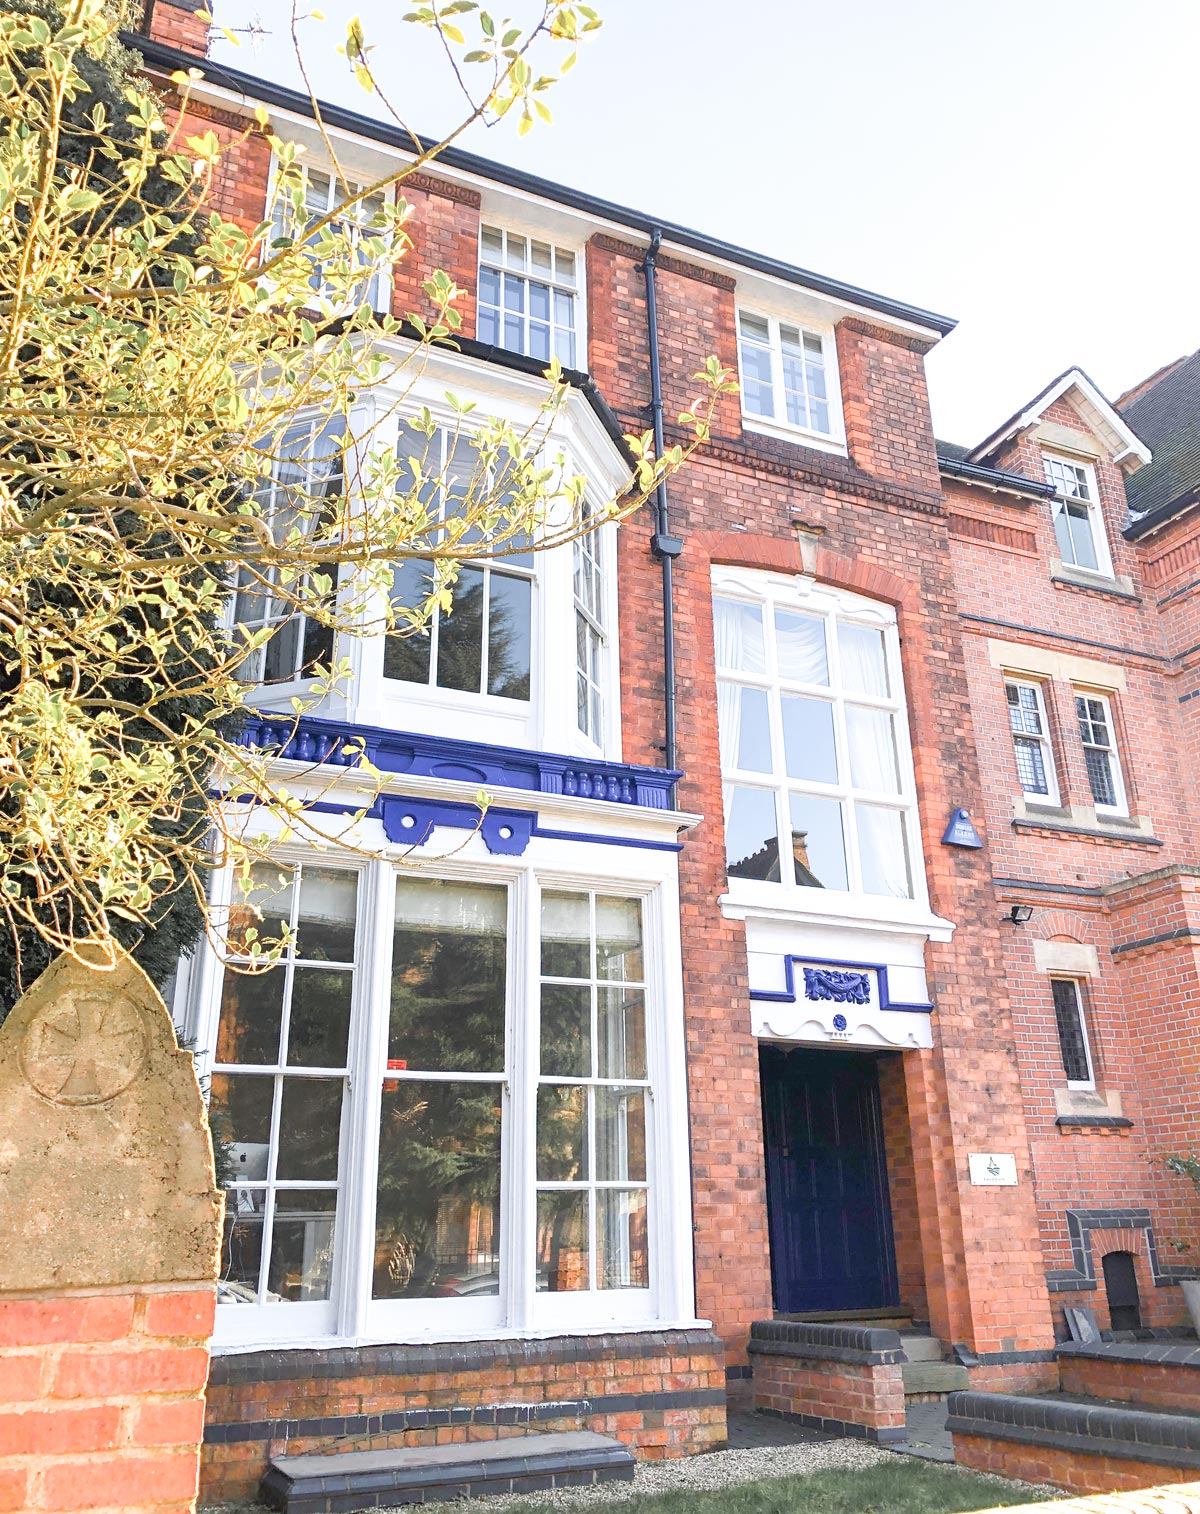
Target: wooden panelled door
point(827, 1196)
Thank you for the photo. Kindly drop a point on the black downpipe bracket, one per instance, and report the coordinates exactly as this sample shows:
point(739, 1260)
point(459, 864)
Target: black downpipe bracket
point(664, 546)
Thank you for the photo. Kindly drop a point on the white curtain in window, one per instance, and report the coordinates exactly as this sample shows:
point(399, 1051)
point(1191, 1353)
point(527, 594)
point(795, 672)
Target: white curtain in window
point(872, 739)
point(882, 851)
point(864, 668)
point(445, 905)
point(729, 647)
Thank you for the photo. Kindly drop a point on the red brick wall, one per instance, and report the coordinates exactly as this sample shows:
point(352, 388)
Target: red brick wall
point(902, 1186)
point(445, 235)
point(1142, 1004)
point(102, 1399)
point(1072, 1470)
point(662, 1394)
point(884, 536)
point(178, 25)
point(1146, 1384)
point(846, 1393)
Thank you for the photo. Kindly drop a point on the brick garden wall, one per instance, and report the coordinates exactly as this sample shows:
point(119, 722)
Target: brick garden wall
point(845, 1379)
point(102, 1398)
point(663, 1394)
point(1074, 1471)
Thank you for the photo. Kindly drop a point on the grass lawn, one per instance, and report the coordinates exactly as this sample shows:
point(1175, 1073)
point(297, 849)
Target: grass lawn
point(900, 1485)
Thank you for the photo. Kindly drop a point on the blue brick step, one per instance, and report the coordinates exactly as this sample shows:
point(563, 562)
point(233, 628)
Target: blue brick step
point(343, 1480)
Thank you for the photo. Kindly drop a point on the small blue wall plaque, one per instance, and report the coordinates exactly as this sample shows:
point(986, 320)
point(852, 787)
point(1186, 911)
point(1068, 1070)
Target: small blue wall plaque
point(961, 832)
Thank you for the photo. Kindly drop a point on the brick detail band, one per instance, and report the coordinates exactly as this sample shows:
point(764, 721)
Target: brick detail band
point(998, 534)
point(882, 334)
point(1080, 1224)
point(459, 193)
point(667, 264)
point(400, 1420)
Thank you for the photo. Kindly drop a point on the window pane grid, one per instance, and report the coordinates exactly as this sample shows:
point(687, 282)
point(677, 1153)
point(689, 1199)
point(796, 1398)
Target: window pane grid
point(526, 296)
point(1099, 750)
point(323, 193)
point(589, 632)
point(1077, 526)
point(307, 473)
point(272, 1253)
point(1031, 746)
point(780, 359)
point(827, 773)
point(1072, 1035)
point(483, 645)
point(591, 1120)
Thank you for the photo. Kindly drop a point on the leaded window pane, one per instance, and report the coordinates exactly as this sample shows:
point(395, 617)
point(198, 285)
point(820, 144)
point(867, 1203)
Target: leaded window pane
point(1072, 1041)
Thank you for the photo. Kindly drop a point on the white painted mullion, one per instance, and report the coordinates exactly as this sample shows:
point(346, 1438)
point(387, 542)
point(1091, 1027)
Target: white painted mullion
point(367, 1053)
point(518, 1153)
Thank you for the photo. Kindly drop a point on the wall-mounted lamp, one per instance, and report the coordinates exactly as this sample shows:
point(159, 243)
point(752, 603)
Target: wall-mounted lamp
point(1020, 914)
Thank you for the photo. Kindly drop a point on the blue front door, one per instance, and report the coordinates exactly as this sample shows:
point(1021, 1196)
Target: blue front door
point(827, 1197)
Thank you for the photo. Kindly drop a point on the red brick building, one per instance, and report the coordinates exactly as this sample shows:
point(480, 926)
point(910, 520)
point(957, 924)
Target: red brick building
point(911, 688)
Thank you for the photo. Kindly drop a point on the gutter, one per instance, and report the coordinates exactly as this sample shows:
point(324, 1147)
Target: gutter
point(284, 98)
point(994, 478)
point(1160, 515)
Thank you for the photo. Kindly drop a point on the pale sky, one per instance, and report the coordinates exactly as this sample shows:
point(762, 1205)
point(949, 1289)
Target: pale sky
point(1026, 167)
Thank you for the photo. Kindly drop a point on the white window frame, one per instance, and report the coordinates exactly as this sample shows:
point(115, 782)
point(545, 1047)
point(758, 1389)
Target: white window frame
point(380, 280)
point(770, 591)
point(501, 266)
point(778, 425)
point(500, 566)
point(1087, 1084)
point(1050, 799)
point(351, 1314)
point(253, 667)
point(1121, 806)
point(1104, 566)
point(590, 562)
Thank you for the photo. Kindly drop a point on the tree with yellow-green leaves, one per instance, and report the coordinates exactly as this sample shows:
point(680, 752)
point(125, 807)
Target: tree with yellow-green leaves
point(153, 357)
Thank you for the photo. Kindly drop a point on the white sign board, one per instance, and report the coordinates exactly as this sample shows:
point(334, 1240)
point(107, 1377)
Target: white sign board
point(993, 1169)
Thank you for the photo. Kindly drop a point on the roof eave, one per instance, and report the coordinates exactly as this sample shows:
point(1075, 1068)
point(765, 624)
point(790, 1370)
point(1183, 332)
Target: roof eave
point(284, 98)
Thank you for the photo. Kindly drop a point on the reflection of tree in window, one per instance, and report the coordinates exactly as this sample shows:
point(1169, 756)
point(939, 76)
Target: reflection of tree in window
point(437, 1222)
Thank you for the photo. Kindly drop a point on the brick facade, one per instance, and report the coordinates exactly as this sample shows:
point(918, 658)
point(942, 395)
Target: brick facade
point(970, 574)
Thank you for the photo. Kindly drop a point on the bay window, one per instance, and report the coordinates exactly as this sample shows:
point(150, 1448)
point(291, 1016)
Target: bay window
point(307, 474)
point(819, 790)
point(443, 1111)
point(590, 638)
point(481, 644)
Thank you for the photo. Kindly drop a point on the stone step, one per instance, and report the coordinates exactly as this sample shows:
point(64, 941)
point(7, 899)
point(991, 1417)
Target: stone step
point(933, 1377)
point(922, 1348)
point(877, 1319)
point(345, 1480)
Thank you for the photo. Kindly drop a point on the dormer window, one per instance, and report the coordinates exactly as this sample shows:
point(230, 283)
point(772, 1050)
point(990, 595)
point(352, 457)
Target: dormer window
point(785, 374)
point(323, 192)
point(527, 296)
point(1078, 525)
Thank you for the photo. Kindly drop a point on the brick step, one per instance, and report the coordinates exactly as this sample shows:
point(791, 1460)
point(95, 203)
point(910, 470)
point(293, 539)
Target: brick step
point(345, 1480)
point(922, 1348)
point(878, 1319)
point(933, 1377)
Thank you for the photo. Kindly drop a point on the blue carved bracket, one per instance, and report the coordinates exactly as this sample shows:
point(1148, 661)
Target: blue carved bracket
point(411, 822)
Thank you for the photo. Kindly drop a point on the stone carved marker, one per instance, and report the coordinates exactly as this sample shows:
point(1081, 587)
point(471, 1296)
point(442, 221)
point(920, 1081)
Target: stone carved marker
point(106, 1174)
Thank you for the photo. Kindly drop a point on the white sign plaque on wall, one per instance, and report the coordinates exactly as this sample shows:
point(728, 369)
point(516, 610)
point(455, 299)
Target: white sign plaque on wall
point(993, 1169)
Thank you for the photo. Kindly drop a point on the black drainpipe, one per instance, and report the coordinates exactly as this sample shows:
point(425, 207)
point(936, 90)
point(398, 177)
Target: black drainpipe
point(665, 546)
